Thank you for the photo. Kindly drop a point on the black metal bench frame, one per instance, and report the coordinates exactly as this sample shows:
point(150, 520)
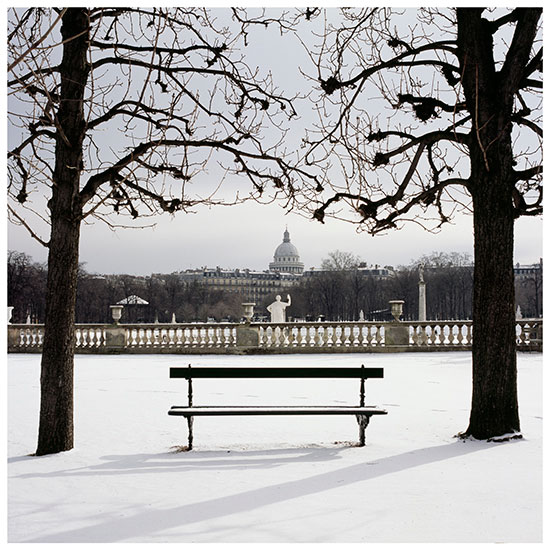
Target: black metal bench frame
point(361, 412)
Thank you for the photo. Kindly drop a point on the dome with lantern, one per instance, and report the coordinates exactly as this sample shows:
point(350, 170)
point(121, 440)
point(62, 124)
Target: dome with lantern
point(286, 258)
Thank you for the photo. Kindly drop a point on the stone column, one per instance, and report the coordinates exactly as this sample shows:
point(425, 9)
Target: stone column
point(422, 301)
point(421, 294)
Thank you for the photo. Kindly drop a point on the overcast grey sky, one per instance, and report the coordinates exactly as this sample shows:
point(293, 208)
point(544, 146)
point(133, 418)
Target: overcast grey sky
point(246, 236)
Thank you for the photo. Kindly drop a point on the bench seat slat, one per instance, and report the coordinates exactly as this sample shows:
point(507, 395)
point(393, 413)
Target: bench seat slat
point(270, 372)
point(273, 410)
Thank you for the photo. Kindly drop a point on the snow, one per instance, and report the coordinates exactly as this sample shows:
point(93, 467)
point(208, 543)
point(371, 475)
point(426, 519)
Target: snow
point(273, 479)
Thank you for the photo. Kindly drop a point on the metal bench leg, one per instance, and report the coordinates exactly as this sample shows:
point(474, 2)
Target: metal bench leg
point(363, 421)
point(189, 432)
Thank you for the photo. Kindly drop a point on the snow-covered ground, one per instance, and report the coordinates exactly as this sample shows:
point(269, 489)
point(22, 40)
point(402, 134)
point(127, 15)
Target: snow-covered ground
point(258, 479)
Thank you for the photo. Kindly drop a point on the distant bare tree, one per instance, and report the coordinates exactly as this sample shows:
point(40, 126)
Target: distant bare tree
point(26, 282)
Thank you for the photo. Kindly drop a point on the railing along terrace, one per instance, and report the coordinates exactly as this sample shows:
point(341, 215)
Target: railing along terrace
point(180, 336)
point(288, 337)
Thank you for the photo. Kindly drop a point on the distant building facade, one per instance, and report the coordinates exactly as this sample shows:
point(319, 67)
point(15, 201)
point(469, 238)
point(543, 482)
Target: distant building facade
point(253, 286)
point(522, 272)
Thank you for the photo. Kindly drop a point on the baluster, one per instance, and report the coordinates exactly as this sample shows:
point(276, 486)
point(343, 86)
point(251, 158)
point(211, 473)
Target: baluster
point(310, 336)
point(319, 336)
point(527, 330)
point(415, 335)
point(289, 336)
point(463, 333)
point(285, 342)
point(298, 339)
point(372, 332)
point(347, 332)
point(452, 334)
point(360, 335)
point(334, 336)
point(353, 335)
point(326, 336)
point(446, 334)
point(275, 336)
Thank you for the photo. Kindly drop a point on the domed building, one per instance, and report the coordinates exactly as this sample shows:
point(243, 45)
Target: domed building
point(286, 258)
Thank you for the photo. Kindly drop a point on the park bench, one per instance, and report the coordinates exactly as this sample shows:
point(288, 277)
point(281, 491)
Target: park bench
point(361, 412)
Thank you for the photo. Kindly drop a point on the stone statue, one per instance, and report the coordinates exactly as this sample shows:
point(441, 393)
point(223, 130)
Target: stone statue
point(421, 273)
point(277, 309)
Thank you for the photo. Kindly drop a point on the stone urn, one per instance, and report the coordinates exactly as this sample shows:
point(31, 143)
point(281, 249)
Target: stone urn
point(10, 311)
point(248, 311)
point(116, 311)
point(396, 308)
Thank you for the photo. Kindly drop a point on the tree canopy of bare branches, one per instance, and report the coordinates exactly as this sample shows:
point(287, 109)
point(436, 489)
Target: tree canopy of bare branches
point(394, 108)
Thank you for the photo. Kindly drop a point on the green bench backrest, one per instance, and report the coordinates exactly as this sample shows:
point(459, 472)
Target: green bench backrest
point(268, 372)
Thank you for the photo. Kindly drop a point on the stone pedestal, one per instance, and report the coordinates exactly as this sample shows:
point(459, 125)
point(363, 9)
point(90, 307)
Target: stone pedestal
point(115, 337)
point(396, 334)
point(14, 335)
point(247, 336)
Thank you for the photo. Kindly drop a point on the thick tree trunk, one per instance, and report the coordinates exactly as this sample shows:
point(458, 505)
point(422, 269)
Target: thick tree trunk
point(494, 409)
point(489, 96)
point(56, 381)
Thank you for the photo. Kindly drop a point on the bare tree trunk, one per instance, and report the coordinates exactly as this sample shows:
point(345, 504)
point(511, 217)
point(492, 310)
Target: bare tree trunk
point(494, 409)
point(490, 97)
point(56, 381)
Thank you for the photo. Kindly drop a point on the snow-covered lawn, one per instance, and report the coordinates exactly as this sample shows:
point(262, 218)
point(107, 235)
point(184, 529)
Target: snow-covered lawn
point(258, 479)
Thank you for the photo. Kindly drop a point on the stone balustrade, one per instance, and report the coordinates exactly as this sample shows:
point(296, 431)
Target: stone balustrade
point(288, 337)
